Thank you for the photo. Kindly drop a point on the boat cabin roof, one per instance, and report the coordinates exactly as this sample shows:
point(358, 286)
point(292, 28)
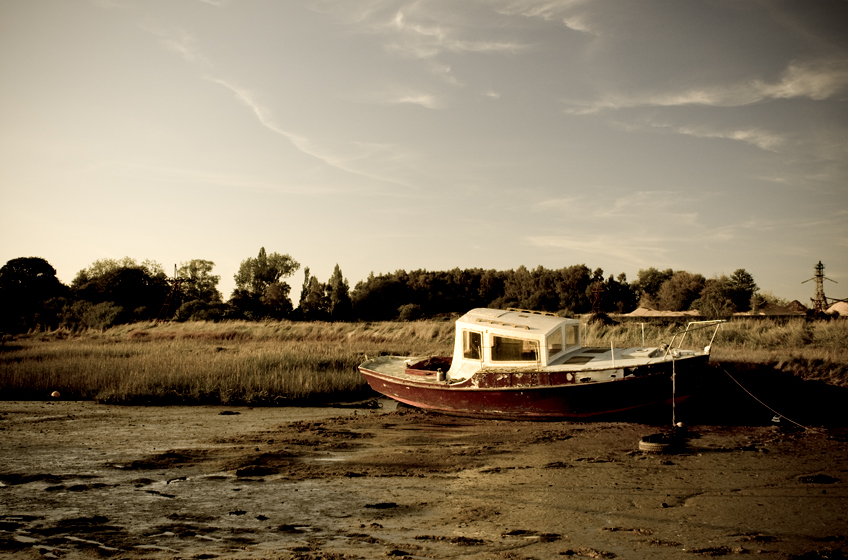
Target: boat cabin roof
point(513, 322)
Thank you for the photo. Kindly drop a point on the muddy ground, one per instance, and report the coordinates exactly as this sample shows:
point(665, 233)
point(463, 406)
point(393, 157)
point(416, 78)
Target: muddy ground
point(82, 480)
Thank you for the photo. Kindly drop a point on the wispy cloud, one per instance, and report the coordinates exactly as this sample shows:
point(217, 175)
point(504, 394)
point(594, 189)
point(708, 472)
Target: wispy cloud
point(343, 159)
point(424, 30)
point(398, 95)
point(544, 9)
point(657, 239)
point(418, 39)
point(625, 251)
point(184, 46)
point(755, 136)
point(551, 10)
point(560, 204)
point(634, 230)
point(760, 138)
point(665, 207)
point(817, 81)
point(357, 158)
point(179, 41)
point(669, 206)
point(248, 98)
point(422, 99)
point(578, 23)
point(782, 228)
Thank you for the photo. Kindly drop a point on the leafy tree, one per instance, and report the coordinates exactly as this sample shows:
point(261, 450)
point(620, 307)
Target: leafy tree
point(757, 301)
point(255, 275)
point(86, 315)
point(442, 292)
point(304, 288)
point(102, 267)
point(27, 284)
point(742, 287)
point(768, 297)
point(544, 295)
point(526, 289)
point(648, 283)
point(409, 312)
point(200, 283)
point(518, 287)
point(595, 290)
point(138, 293)
point(101, 315)
point(377, 298)
point(276, 300)
point(618, 295)
point(678, 292)
point(455, 291)
point(491, 286)
point(338, 292)
point(259, 291)
point(244, 305)
point(714, 301)
point(198, 310)
point(571, 288)
point(314, 304)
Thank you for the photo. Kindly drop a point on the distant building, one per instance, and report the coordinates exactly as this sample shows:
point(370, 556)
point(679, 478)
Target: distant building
point(773, 310)
point(648, 312)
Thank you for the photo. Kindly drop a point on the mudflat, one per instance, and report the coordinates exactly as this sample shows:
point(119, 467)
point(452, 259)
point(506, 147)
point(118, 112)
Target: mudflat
point(83, 480)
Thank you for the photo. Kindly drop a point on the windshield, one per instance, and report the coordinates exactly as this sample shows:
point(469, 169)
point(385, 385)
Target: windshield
point(514, 349)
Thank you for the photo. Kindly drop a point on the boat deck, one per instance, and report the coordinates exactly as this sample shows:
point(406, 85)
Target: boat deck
point(589, 365)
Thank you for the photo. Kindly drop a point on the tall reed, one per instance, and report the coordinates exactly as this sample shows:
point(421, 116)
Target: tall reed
point(282, 361)
point(237, 362)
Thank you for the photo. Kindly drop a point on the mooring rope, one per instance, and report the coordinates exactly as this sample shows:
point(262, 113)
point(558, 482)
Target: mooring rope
point(761, 402)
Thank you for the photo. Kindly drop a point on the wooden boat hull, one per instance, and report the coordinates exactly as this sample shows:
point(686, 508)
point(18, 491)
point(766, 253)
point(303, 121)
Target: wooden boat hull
point(538, 396)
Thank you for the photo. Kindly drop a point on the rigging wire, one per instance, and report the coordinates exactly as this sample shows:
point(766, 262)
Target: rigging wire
point(761, 402)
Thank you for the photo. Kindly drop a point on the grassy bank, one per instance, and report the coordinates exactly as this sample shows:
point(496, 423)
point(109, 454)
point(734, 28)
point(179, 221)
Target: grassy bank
point(284, 362)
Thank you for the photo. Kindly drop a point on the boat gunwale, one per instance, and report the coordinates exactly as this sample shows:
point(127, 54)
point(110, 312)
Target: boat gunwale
point(432, 382)
point(622, 364)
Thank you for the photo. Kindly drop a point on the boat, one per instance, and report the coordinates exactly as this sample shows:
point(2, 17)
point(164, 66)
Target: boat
point(526, 365)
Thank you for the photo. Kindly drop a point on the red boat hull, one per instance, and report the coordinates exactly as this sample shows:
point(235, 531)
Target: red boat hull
point(641, 386)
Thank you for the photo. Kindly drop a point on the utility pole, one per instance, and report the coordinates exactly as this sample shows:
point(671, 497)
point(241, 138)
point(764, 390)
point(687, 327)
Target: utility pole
point(173, 296)
point(820, 301)
point(597, 297)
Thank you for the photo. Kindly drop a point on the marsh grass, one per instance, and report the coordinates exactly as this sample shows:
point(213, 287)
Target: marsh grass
point(227, 363)
point(290, 362)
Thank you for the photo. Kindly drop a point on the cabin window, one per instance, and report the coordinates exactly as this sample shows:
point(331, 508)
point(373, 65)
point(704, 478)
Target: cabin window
point(514, 349)
point(572, 335)
point(471, 344)
point(555, 343)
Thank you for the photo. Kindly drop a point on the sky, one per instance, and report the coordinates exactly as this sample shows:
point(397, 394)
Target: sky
point(381, 135)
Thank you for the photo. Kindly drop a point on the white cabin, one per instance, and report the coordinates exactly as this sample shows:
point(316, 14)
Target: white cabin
point(512, 339)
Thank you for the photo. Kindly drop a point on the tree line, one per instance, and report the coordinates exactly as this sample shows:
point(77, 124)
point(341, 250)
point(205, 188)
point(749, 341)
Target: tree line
point(117, 291)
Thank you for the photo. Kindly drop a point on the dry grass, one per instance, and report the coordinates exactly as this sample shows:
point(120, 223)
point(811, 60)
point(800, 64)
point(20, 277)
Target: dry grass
point(238, 362)
point(279, 362)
